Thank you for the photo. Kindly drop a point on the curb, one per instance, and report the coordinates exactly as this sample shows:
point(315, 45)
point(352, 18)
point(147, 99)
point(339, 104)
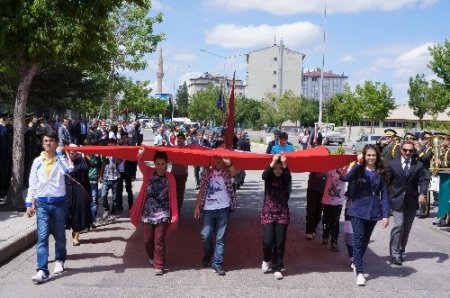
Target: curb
point(15, 245)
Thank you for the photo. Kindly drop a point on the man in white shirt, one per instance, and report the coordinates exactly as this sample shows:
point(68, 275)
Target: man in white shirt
point(216, 199)
point(46, 198)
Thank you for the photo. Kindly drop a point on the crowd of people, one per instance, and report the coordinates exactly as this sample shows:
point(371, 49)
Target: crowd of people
point(63, 192)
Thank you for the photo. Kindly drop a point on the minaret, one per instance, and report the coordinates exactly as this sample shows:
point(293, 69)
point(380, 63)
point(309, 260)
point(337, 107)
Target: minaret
point(160, 73)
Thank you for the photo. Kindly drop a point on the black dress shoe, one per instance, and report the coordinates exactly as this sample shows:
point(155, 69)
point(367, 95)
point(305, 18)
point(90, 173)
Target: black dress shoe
point(396, 261)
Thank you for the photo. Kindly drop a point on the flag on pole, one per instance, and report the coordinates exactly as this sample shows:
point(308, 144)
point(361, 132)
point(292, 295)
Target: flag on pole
point(230, 121)
point(221, 101)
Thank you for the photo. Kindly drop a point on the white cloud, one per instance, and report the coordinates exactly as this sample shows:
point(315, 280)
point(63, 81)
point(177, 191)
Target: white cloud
point(348, 58)
point(297, 35)
point(185, 57)
point(292, 7)
point(187, 76)
point(158, 5)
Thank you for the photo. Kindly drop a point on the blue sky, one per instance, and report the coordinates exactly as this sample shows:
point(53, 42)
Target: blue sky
point(377, 40)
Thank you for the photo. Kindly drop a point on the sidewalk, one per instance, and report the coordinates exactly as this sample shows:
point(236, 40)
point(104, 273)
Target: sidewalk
point(17, 233)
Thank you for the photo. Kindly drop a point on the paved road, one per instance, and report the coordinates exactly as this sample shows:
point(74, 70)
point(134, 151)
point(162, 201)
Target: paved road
point(111, 261)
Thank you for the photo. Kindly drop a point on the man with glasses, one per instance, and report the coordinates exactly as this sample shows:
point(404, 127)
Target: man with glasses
point(408, 188)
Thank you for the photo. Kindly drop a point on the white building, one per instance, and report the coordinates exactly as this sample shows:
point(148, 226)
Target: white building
point(274, 69)
point(202, 82)
point(332, 84)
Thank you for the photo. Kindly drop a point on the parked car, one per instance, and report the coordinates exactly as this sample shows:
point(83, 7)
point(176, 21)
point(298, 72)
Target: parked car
point(336, 136)
point(367, 139)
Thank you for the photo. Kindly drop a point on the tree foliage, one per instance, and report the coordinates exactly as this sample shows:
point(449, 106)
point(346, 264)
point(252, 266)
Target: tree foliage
point(377, 100)
point(137, 100)
point(203, 105)
point(418, 92)
point(440, 61)
point(182, 98)
point(36, 34)
point(248, 113)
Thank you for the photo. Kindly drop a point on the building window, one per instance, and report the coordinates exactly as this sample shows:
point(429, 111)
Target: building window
point(274, 72)
point(274, 86)
point(275, 58)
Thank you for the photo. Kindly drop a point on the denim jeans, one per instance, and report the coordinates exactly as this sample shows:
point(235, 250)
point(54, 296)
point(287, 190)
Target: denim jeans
point(107, 185)
point(215, 222)
point(274, 241)
point(362, 230)
point(94, 194)
point(50, 219)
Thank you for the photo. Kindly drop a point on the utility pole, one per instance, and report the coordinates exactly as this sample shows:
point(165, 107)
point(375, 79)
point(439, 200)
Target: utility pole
point(323, 65)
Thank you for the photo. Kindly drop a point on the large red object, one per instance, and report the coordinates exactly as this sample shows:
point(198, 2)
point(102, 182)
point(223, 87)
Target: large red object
point(311, 160)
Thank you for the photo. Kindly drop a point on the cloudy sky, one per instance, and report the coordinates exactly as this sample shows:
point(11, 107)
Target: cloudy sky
point(378, 40)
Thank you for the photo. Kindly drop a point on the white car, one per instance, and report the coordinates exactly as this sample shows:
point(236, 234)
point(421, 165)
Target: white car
point(366, 139)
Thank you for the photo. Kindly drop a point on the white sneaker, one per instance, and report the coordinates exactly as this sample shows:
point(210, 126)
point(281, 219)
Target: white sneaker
point(40, 277)
point(354, 268)
point(59, 267)
point(150, 261)
point(265, 266)
point(360, 280)
point(278, 275)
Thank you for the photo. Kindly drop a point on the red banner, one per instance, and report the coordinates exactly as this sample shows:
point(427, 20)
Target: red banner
point(311, 160)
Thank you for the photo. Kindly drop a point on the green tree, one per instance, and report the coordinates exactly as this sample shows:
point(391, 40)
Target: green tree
point(132, 28)
point(291, 106)
point(34, 34)
point(203, 106)
point(377, 100)
point(440, 61)
point(347, 108)
point(418, 97)
point(137, 99)
point(310, 111)
point(270, 114)
point(182, 98)
point(248, 113)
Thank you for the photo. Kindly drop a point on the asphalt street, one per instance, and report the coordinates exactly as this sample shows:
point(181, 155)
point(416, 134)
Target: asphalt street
point(111, 261)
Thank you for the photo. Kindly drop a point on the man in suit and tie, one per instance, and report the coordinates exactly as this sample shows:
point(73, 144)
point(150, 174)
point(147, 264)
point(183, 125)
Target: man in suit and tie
point(81, 131)
point(408, 187)
point(64, 134)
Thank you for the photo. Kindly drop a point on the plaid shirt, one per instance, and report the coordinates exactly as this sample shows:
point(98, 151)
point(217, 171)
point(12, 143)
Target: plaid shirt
point(225, 173)
point(111, 171)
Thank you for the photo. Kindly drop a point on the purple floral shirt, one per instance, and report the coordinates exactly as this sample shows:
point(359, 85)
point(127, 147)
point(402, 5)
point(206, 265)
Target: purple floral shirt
point(276, 196)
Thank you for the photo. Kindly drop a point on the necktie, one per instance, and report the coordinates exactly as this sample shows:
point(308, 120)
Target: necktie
point(406, 168)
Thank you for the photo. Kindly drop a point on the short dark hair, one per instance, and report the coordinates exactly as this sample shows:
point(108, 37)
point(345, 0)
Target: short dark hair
point(160, 155)
point(51, 134)
point(283, 136)
point(181, 135)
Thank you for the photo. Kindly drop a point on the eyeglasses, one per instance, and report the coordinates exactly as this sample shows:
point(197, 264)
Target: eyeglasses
point(407, 150)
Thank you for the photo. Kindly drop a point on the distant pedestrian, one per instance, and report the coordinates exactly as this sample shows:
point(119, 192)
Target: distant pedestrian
point(275, 214)
point(283, 145)
point(110, 176)
point(180, 172)
point(64, 133)
point(155, 207)
point(46, 198)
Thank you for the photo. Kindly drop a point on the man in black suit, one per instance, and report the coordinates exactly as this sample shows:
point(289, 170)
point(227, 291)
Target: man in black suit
point(408, 187)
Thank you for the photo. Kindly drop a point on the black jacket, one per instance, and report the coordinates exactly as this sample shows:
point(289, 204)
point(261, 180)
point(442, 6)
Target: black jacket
point(404, 191)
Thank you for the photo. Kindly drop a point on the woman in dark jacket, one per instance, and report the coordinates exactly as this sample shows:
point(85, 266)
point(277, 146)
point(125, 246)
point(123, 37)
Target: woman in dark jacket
point(78, 196)
point(368, 203)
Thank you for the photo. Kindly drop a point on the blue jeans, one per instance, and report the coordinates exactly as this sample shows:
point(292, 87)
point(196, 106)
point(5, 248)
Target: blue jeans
point(107, 185)
point(94, 194)
point(50, 219)
point(215, 222)
point(362, 230)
